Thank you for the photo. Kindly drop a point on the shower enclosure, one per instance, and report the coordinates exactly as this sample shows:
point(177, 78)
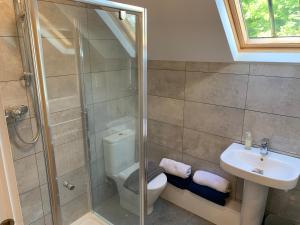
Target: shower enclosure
point(85, 63)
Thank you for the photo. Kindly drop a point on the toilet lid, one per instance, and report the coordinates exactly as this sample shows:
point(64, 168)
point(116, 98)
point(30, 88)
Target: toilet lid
point(127, 172)
point(157, 182)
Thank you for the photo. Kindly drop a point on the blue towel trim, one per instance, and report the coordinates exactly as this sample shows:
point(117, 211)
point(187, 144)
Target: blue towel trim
point(178, 181)
point(208, 193)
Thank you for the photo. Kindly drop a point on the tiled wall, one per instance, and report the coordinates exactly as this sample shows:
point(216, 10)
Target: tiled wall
point(28, 159)
point(197, 109)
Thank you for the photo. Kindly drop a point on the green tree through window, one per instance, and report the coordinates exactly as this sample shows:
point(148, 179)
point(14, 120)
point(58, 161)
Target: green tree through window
point(271, 18)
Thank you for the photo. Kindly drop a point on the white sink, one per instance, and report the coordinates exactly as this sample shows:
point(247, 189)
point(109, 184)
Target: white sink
point(273, 170)
point(278, 171)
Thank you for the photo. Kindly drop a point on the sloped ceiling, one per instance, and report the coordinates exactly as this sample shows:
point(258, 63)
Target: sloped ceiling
point(184, 30)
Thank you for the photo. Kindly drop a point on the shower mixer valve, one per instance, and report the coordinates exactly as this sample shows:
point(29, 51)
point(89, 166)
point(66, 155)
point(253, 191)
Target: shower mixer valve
point(14, 113)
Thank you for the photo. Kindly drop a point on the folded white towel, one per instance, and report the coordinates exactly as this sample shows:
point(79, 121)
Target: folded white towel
point(176, 168)
point(211, 180)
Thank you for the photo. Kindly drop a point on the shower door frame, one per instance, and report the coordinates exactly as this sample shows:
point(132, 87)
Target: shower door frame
point(32, 14)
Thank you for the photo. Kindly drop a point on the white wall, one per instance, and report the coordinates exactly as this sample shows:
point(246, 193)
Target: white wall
point(184, 30)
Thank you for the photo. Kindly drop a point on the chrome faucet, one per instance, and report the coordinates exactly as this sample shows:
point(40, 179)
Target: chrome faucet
point(264, 146)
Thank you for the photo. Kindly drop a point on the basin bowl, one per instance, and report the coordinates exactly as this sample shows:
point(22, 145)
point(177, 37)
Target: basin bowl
point(273, 170)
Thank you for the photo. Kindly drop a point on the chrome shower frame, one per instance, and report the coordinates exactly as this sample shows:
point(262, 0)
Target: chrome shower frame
point(32, 15)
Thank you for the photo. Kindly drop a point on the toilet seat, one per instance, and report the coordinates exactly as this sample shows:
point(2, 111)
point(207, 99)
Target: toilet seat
point(127, 172)
point(158, 182)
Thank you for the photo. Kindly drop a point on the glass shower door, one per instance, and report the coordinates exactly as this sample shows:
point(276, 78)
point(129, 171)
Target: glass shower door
point(92, 74)
point(111, 106)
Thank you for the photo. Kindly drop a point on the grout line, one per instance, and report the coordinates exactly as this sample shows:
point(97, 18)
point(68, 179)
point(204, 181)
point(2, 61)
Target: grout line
point(162, 69)
point(274, 114)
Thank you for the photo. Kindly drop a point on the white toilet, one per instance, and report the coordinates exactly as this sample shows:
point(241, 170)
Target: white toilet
point(119, 157)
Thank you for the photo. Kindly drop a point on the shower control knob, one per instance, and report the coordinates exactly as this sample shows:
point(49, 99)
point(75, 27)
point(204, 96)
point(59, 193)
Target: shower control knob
point(69, 186)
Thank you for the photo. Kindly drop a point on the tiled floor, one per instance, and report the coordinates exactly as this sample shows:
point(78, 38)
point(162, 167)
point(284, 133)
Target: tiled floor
point(88, 219)
point(164, 213)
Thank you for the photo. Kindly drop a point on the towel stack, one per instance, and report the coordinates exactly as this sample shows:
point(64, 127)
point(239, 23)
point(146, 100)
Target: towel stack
point(205, 184)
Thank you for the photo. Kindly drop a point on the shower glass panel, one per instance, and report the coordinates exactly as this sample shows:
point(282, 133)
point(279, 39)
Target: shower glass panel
point(94, 102)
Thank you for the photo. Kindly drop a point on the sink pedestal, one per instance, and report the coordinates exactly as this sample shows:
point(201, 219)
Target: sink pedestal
point(254, 203)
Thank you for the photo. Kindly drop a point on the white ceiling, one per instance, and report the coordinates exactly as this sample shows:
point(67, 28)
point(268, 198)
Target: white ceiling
point(188, 30)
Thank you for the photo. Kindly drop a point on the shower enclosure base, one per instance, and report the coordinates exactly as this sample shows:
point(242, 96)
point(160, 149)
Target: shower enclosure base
point(89, 219)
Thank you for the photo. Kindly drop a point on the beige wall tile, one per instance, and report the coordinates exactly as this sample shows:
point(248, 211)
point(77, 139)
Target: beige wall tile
point(156, 152)
point(112, 85)
point(69, 157)
point(232, 68)
point(26, 173)
point(10, 59)
point(31, 204)
point(218, 120)
point(79, 178)
point(63, 93)
point(165, 110)
point(284, 132)
point(13, 93)
point(197, 66)
point(59, 56)
point(62, 104)
point(274, 95)
point(275, 69)
point(165, 134)
point(204, 146)
point(41, 166)
point(108, 114)
point(166, 83)
point(63, 116)
point(166, 65)
point(62, 86)
point(7, 15)
point(220, 89)
point(67, 132)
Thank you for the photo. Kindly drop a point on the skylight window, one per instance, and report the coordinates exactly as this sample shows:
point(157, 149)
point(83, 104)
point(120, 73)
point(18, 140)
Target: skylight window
point(268, 24)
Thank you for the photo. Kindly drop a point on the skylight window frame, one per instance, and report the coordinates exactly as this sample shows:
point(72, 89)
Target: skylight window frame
point(243, 42)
